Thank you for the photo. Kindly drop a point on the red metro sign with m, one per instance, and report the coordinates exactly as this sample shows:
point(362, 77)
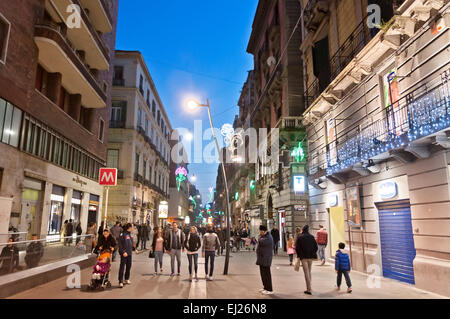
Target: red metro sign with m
point(108, 176)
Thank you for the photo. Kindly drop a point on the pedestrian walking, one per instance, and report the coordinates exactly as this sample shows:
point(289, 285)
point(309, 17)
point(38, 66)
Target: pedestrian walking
point(63, 232)
point(342, 267)
point(144, 236)
point(306, 248)
point(322, 241)
point(91, 241)
point(126, 247)
point(276, 239)
point(34, 252)
point(291, 250)
point(174, 246)
point(79, 231)
point(158, 248)
point(9, 258)
point(115, 232)
point(68, 233)
point(264, 254)
point(221, 234)
point(106, 242)
point(210, 244)
point(192, 245)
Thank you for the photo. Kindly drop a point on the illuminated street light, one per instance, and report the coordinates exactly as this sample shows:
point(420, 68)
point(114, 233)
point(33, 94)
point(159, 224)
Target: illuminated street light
point(193, 105)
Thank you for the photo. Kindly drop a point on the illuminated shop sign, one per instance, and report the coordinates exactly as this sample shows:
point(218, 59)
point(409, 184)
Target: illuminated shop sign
point(163, 210)
point(57, 198)
point(388, 190)
point(299, 183)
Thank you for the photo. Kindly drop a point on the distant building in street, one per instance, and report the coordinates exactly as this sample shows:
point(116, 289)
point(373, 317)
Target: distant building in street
point(55, 83)
point(138, 143)
point(280, 195)
point(179, 191)
point(378, 132)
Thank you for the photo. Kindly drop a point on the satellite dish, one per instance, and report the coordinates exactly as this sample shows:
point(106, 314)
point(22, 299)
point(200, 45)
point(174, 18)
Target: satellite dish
point(271, 61)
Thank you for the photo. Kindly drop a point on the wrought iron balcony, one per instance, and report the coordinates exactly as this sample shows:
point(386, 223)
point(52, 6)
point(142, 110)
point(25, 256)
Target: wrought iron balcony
point(356, 41)
point(416, 115)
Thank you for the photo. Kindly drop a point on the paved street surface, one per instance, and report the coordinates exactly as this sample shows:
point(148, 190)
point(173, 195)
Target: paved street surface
point(243, 281)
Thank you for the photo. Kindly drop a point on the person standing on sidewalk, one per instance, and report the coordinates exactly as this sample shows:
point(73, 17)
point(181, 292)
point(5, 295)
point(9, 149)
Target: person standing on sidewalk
point(276, 239)
point(291, 250)
point(342, 267)
point(115, 233)
point(210, 244)
point(221, 236)
point(174, 246)
point(126, 247)
point(322, 241)
point(158, 248)
point(144, 236)
point(192, 245)
point(264, 254)
point(306, 248)
point(68, 233)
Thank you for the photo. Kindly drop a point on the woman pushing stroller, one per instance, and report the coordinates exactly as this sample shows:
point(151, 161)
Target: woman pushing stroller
point(100, 275)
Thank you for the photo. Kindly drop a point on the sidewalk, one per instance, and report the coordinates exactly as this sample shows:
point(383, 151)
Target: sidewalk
point(243, 282)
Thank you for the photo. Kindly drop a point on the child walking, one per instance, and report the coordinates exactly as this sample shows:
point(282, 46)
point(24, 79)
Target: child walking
point(342, 267)
point(291, 249)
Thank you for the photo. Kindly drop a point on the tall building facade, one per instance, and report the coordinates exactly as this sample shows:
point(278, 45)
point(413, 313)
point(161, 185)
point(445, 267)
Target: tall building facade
point(377, 128)
point(278, 104)
point(138, 143)
point(55, 82)
point(179, 186)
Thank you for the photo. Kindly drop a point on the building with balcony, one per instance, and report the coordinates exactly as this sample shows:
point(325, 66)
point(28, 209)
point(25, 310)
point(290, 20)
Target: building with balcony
point(277, 75)
point(138, 143)
point(377, 126)
point(54, 95)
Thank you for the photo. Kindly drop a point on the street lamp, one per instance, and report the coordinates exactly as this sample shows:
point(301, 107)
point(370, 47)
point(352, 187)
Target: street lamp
point(193, 178)
point(193, 105)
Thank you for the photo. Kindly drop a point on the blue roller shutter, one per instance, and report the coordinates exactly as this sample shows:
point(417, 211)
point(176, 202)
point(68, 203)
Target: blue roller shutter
point(397, 241)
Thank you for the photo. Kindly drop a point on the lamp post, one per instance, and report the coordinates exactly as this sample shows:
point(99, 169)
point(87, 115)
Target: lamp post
point(192, 105)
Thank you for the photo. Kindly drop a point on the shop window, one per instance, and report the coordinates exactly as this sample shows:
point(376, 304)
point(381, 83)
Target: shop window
point(56, 210)
point(5, 28)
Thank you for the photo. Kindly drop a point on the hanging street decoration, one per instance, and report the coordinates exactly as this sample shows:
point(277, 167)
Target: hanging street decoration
point(193, 202)
point(298, 153)
point(252, 185)
point(181, 175)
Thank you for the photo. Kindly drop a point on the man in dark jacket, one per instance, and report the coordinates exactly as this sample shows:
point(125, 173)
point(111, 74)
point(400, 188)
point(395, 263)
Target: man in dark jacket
point(264, 255)
point(79, 231)
point(144, 235)
point(220, 233)
point(69, 233)
point(306, 248)
point(34, 252)
point(9, 258)
point(126, 247)
point(115, 232)
point(174, 245)
point(276, 239)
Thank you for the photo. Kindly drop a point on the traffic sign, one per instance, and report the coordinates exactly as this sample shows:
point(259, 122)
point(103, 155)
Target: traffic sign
point(108, 176)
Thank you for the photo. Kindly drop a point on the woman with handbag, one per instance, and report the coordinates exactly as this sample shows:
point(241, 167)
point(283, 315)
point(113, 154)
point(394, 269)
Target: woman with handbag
point(157, 250)
point(193, 244)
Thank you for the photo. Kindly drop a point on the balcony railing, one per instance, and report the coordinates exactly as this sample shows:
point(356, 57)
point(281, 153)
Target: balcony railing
point(410, 118)
point(357, 40)
point(57, 33)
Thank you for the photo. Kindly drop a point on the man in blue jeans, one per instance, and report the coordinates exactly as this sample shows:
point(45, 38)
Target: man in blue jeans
point(211, 243)
point(126, 247)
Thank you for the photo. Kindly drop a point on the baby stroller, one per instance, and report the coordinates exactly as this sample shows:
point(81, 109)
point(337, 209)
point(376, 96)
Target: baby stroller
point(101, 281)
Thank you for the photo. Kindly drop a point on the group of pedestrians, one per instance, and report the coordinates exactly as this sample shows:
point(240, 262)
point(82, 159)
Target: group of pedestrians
point(9, 256)
point(67, 231)
point(305, 246)
point(175, 241)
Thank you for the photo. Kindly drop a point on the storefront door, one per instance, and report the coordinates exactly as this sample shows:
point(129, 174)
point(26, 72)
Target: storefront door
point(397, 241)
point(29, 221)
point(337, 228)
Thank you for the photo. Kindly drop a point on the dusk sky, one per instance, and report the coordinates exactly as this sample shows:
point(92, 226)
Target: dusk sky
point(193, 48)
